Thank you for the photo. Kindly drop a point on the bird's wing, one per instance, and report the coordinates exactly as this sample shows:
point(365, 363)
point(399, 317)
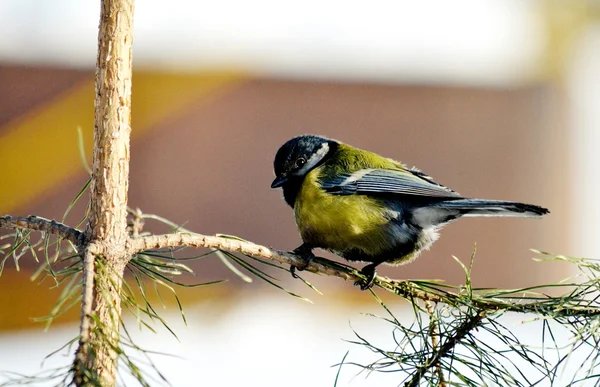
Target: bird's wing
point(410, 182)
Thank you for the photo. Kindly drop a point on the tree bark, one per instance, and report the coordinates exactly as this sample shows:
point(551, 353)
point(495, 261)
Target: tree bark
point(107, 253)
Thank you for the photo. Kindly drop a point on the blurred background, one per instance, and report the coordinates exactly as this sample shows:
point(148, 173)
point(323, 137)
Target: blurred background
point(496, 99)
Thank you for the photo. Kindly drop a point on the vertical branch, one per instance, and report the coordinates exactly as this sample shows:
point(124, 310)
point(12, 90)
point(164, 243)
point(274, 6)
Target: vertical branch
point(107, 252)
point(112, 127)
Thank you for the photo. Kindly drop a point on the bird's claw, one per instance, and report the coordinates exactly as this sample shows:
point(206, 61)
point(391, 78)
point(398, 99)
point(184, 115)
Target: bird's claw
point(366, 284)
point(305, 253)
point(293, 272)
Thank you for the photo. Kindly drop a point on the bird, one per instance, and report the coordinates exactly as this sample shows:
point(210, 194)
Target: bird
point(368, 208)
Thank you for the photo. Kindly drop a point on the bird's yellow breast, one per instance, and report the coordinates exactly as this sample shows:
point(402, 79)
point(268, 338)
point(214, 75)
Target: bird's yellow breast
point(338, 222)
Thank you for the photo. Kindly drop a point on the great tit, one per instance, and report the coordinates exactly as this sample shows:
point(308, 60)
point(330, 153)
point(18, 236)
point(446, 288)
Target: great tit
point(365, 207)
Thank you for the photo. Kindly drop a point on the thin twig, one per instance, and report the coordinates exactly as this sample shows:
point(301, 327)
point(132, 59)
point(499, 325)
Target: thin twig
point(463, 330)
point(135, 225)
point(434, 333)
point(45, 225)
point(406, 289)
point(236, 245)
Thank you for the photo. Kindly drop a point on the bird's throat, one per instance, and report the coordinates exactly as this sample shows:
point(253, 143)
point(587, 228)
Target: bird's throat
point(291, 190)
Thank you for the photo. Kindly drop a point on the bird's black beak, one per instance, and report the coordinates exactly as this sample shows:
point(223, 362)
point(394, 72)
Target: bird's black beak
point(278, 182)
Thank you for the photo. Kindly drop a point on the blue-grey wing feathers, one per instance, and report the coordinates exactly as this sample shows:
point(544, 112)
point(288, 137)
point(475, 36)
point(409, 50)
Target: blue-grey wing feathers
point(387, 181)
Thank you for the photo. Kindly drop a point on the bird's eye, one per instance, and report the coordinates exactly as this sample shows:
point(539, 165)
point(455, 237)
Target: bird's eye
point(300, 162)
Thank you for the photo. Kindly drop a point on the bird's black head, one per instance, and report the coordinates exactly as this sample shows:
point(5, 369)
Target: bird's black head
point(296, 158)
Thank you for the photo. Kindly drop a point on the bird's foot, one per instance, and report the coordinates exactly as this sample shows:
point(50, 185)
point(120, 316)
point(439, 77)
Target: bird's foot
point(304, 252)
point(369, 272)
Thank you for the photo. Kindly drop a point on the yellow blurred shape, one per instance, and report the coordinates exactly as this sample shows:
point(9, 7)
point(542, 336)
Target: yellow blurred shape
point(26, 303)
point(40, 150)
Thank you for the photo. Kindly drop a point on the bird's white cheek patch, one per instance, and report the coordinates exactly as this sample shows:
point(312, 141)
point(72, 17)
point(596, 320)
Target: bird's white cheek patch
point(314, 159)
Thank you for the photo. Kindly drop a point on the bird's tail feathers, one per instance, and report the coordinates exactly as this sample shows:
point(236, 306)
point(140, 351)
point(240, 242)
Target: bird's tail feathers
point(479, 207)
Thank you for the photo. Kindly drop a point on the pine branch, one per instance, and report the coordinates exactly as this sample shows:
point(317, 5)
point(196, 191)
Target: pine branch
point(434, 333)
point(463, 330)
point(407, 289)
point(37, 223)
point(236, 245)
